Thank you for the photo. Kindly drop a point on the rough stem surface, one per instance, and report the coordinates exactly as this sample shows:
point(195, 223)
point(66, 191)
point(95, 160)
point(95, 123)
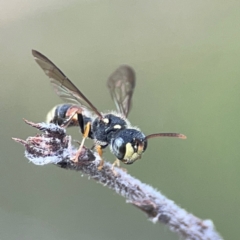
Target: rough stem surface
point(54, 146)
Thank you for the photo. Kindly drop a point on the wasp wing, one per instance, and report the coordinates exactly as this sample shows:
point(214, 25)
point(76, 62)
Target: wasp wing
point(121, 84)
point(61, 84)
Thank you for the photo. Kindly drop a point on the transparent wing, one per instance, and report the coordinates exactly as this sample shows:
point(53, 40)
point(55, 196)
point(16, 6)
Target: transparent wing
point(121, 84)
point(61, 84)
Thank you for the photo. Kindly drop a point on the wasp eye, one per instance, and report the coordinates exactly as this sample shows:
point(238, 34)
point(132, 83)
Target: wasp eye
point(119, 148)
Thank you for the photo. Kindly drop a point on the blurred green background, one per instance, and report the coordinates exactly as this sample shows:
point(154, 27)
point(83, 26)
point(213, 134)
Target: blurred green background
point(186, 56)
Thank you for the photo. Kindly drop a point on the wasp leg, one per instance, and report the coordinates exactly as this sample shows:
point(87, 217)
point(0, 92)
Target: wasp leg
point(100, 153)
point(68, 120)
point(117, 163)
point(85, 135)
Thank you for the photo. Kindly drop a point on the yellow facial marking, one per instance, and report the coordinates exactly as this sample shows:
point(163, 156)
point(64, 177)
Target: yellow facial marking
point(129, 151)
point(117, 126)
point(135, 156)
point(140, 149)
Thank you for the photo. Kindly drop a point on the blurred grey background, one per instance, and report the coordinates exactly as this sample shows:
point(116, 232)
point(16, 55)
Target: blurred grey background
point(186, 56)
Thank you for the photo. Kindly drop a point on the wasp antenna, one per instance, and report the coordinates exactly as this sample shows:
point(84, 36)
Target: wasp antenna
point(177, 135)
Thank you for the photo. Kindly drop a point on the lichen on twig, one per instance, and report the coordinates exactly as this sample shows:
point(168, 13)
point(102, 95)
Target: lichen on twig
point(54, 146)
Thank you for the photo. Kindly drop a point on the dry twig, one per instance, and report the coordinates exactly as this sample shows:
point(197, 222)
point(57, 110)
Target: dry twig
point(54, 146)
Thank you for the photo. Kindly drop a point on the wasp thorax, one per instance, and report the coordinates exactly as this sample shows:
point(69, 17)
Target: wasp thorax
point(104, 129)
point(128, 145)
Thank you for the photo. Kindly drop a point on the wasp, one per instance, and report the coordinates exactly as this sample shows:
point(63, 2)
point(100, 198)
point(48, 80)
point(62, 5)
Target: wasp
point(112, 129)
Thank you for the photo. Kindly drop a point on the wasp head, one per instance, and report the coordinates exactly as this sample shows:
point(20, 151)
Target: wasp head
point(128, 145)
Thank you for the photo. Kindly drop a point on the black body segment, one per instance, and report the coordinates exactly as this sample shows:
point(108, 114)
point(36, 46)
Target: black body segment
point(104, 130)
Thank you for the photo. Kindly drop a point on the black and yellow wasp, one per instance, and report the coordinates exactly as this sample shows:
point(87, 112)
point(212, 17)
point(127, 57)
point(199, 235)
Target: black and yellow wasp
point(126, 142)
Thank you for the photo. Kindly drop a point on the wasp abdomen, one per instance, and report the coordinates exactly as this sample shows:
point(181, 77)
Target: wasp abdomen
point(60, 113)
